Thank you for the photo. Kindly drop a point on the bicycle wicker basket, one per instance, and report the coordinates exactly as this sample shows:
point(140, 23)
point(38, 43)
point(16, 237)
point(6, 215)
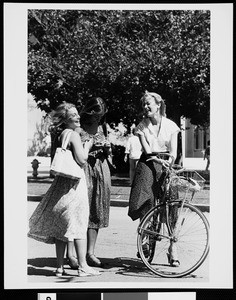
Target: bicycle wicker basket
point(187, 181)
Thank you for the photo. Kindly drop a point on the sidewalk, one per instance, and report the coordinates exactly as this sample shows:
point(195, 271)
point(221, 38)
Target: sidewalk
point(120, 190)
point(117, 247)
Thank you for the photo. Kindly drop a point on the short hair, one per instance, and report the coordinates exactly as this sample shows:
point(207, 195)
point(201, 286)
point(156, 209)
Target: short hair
point(95, 106)
point(158, 99)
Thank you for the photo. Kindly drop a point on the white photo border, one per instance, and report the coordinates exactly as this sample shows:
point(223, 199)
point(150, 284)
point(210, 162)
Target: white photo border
point(15, 139)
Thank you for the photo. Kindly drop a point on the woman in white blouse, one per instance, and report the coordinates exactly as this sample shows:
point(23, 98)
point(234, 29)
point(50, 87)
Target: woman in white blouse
point(157, 134)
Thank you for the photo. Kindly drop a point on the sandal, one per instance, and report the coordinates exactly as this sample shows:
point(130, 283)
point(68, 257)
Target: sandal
point(84, 272)
point(173, 262)
point(72, 262)
point(60, 272)
point(93, 261)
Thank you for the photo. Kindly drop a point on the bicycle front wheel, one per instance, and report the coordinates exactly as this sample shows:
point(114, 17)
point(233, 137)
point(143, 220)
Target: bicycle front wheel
point(183, 225)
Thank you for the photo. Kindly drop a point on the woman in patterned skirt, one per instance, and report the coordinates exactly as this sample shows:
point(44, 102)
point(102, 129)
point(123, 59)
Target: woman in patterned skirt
point(62, 215)
point(157, 134)
point(97, 174)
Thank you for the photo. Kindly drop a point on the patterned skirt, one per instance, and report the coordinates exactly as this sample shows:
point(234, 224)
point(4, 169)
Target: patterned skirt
point(62, 213)
point(99, 191)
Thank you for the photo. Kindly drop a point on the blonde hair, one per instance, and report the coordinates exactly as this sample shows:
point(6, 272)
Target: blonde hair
point(158, 99)
point(60, 117)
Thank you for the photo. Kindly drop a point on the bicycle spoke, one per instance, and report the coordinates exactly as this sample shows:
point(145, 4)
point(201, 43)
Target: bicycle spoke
point(191, 239)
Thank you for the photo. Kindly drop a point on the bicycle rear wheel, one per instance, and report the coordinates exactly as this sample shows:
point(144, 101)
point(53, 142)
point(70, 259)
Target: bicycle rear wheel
point(189, 232)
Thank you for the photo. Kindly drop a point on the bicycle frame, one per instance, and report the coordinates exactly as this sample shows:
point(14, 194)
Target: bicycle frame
point(165, 199)
point(174, 226)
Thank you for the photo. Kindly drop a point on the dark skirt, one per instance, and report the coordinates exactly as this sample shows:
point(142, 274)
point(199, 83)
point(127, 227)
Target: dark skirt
point(99, 190)
point(145, 188)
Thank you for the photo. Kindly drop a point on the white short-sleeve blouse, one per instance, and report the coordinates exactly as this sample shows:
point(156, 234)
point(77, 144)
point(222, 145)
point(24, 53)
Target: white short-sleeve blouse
point(160, 143)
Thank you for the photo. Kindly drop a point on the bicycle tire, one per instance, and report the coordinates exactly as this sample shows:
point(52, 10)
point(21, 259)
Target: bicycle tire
point(192, 242)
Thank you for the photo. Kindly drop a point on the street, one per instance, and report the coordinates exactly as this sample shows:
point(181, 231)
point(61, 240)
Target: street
point(116, 246)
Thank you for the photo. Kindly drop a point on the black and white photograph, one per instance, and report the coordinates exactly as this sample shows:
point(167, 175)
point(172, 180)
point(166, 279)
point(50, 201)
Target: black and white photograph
point(116, 119)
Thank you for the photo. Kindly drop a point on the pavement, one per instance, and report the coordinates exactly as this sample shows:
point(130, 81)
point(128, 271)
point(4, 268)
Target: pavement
point(116, 246)
point(120, 190)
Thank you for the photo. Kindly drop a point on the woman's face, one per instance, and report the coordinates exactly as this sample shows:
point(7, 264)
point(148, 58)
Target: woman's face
point(150, 106)
point(73, 118)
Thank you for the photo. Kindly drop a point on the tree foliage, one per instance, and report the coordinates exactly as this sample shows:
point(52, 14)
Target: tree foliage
point(118, 54)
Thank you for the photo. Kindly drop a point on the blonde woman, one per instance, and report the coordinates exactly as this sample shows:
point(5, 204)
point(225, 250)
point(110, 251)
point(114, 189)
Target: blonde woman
point(62, 215)
point(157, 134)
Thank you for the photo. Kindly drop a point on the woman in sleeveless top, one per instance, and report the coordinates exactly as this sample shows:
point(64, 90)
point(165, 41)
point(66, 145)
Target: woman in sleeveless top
point(62, 215)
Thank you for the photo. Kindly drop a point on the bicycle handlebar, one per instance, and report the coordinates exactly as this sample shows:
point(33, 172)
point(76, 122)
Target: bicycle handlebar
point(171, 168)
point(160, 154)
point(172, 165)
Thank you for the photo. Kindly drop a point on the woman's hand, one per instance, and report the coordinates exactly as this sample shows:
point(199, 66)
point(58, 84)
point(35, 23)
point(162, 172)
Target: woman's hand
point(107, 144)
point(88, 144)
point(164, 163)
point(107, 147)
point(139, 132)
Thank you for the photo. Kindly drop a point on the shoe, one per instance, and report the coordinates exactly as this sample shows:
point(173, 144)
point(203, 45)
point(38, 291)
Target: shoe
point(82, 272)
point(173, 262)
point(172, 256)
point(72, 262)
point(60, 272)
point(93, 261)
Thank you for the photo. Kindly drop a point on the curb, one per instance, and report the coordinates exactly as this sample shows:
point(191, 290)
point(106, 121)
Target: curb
point(118, 203)
point(125, 203)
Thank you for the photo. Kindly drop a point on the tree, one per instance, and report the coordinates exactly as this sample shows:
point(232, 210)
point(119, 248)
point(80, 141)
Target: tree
point(118, 55)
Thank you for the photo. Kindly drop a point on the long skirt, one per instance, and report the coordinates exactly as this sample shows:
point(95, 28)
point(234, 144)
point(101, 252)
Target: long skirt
point(62, 213)
point(99, 191)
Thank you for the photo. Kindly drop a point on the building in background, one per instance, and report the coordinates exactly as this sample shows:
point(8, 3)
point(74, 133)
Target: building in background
point(194, 142)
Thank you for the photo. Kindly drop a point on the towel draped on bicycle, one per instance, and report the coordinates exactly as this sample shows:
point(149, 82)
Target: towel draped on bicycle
point(146, 189)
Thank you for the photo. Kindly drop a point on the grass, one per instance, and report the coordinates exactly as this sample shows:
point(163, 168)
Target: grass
point(40, 186)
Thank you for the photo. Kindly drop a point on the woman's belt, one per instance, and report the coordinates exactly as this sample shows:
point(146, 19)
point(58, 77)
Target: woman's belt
point(158, 154)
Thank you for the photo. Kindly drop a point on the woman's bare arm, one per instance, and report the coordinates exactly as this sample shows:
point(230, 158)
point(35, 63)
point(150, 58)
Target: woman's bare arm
point(79, 149)
point(173, 146)
point(144, 143)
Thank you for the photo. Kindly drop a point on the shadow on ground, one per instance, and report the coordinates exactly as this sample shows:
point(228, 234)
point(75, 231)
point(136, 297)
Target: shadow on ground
point(120, 182)
point(120, 265)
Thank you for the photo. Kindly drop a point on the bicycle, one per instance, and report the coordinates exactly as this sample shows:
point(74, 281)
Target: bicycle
point(174, 223)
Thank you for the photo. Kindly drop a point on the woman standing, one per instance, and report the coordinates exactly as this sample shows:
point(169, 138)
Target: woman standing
point(157, 134)
point(62, 215)
point(97, 174)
